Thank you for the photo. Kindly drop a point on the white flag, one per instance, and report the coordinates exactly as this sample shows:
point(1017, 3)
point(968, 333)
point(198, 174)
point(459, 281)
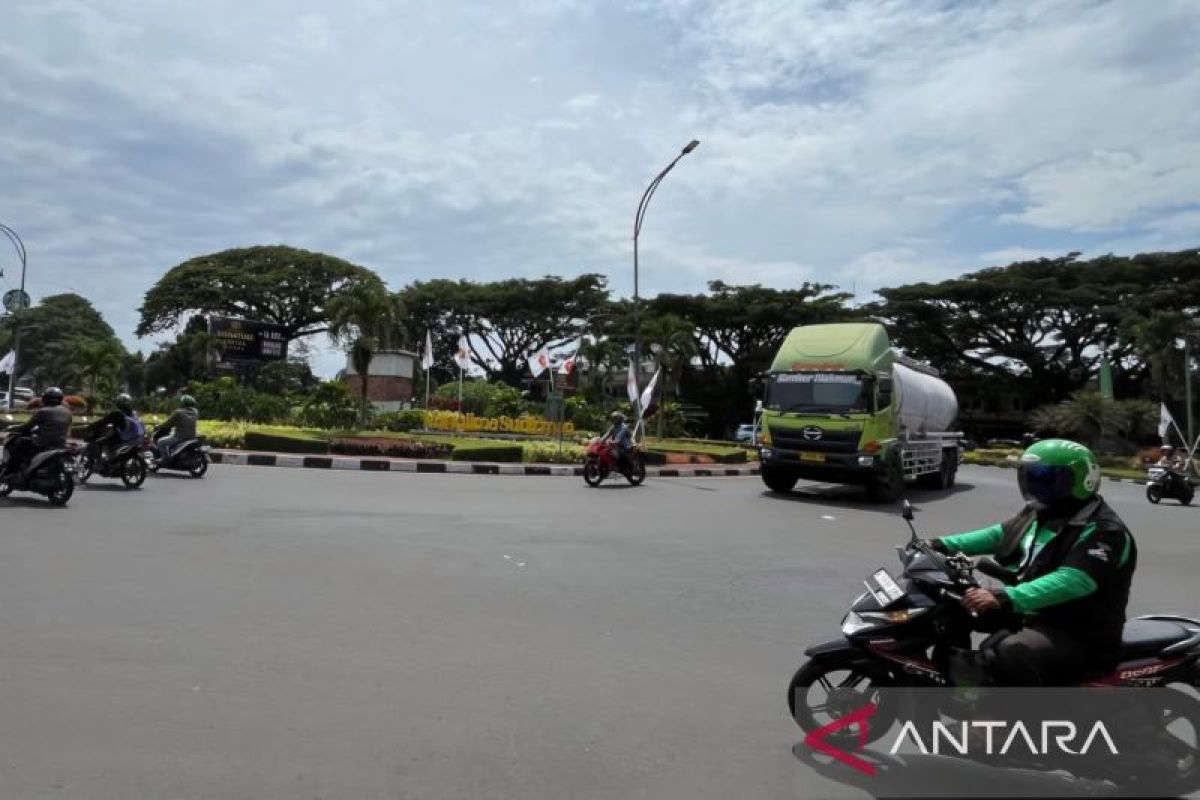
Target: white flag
point(631, 387)
point(462, 356)
point(8, 362)
point(539, 362)
point(1165, 422)
point(648, 395)
point(427, 358)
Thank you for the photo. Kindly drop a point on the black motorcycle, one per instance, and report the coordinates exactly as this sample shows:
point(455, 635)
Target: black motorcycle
point(126, 463)
point(1163, 482)
point(190, 456)
point(907, 631)
point(48, 473)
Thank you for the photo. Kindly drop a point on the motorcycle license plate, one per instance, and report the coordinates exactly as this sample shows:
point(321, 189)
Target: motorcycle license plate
point(883, 587)
point(816, 458)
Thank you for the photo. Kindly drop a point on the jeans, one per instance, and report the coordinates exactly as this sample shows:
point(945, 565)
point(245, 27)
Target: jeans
point(166, 445)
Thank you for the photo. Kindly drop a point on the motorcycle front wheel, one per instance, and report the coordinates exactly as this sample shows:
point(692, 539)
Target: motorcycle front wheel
point(86, 466)
point(592, 474)
point(825, 690)
point(1154, 493)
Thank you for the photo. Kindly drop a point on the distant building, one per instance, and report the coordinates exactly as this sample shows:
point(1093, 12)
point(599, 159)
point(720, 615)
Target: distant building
point(390, 384)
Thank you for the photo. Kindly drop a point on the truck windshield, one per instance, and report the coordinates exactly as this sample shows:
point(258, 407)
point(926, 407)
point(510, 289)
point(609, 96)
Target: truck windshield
point(818, 393)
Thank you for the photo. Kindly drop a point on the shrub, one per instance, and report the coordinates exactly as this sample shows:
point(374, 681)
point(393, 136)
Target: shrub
point(586, 416)
point(391, 448)
point(226, 399)
point(549, 454)
point(286, 443)
point(330, 406)
point(443, 404)
point(509, 453)
point(400, 421)
point(482, 398)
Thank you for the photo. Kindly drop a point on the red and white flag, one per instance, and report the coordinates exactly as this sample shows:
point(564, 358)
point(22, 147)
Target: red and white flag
point(462, 356)
point(539, 362)
point(568, 365)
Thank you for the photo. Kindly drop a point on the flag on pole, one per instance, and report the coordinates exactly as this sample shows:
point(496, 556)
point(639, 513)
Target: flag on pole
point(539, 362)
point(648, 394)
point(8, 362)
point(1165, 422)
point(568, 365)
point(427, 358)
point(462, 356)
point(631, 387)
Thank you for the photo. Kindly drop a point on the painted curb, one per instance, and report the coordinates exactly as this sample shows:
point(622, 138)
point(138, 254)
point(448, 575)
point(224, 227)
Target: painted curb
point(351, 463)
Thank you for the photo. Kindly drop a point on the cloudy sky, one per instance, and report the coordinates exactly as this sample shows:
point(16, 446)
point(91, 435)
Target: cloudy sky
point(857, 143)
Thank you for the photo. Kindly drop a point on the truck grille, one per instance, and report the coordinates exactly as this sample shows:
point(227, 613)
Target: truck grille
point(828, 441)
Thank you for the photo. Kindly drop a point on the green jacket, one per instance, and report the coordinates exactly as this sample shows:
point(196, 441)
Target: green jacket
point(1073, 572)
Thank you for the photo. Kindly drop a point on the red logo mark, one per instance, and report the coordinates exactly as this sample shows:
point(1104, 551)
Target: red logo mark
point(816, 739)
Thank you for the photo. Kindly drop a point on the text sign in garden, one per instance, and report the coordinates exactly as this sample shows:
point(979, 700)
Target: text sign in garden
point(453, 421)
point(246, 341)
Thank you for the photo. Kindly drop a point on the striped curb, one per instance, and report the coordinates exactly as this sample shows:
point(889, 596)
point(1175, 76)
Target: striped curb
point(244, 459)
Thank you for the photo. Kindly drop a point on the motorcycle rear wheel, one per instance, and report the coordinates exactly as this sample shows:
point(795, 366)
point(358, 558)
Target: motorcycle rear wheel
point(842, 687)
point(133, 473)
point(1154, 494)
point(64, 487)
point(637, 475)
point(198, 467)
point(592, 474)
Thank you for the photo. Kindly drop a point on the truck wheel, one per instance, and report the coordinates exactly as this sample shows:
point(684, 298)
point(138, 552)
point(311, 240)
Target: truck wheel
point(885, 487)
point(951, 464)
point(777, 480)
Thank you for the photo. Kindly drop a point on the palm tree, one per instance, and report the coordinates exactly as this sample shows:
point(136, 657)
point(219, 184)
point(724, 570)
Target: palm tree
point(365, 320)
point(677, 341)
point(97, 362)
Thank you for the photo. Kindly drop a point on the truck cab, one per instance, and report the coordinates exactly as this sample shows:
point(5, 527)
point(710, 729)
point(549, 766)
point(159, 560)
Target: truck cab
point(832, 413)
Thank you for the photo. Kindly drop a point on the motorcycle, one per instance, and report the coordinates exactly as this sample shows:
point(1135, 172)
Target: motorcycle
point(48, 473)
point(127, 462)
point(1164, 482)
point(190, 456)
point(907, 631)
point(600, 460)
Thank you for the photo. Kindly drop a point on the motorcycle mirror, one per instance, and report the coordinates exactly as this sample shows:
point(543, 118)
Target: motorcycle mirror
point(907, 511)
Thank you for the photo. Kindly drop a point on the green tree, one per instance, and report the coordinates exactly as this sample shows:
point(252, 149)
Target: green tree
point(173, 366)
point(97, 363)
point(279, 284)
point(50, 332)
point(365, 320)
point(505, 320)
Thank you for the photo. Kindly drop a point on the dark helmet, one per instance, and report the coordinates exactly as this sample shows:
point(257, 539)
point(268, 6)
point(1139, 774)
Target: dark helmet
point(187, 401)
point(617, 417)
point(1058, 474)
point(52, 396)
point(124, 403)
point(1168, 450)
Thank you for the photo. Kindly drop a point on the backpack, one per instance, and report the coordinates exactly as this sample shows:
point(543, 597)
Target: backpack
point(134, 429)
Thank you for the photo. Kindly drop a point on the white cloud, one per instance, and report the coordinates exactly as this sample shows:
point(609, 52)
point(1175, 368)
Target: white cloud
point(868, 143)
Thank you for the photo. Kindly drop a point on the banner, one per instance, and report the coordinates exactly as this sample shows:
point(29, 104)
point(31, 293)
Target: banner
point(8, 362)
point(539, 362)
point(631, 387)
point(462, 356)
point(648, 395)
point(1165, 423)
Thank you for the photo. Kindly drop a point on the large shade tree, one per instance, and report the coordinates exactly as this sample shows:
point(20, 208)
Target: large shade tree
point(51, 334)
point(283, 285)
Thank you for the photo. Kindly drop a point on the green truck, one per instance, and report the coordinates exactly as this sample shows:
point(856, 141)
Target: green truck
point(840, 405)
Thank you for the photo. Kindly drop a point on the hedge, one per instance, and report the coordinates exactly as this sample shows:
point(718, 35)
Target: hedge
point(390, 448)
point(307, 445)
point(513, 453)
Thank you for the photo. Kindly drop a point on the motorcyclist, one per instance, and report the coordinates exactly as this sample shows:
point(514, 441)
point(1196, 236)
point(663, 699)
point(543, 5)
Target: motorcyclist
point(620, 435)
point(118, 426)
point(181, 426)
point(47, 429)
point(1074, 560)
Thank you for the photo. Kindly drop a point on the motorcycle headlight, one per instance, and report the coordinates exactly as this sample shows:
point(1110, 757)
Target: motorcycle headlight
point(853, 623)
point(857, 623)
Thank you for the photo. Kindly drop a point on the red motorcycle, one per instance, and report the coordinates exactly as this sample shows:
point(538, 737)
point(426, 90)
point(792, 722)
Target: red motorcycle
point(600, 460)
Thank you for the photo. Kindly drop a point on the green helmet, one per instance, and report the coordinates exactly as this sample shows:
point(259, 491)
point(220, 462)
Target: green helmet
point(1057, 472)
point(187, 401)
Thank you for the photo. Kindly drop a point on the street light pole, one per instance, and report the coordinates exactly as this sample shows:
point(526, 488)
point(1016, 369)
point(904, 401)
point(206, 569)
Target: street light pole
point(19, 245)
point(637, 229)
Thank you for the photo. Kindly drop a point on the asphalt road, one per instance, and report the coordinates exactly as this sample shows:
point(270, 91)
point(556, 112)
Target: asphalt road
point(274, 633)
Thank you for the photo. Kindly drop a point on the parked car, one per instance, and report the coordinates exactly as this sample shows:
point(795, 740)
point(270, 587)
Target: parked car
point(745, 433)
point(18, 401)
